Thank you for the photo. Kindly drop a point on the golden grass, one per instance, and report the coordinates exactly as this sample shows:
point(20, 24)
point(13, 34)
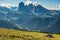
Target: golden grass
point(9, 34)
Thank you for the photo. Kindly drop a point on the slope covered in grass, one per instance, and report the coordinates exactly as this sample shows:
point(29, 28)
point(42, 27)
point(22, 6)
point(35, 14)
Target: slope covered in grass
point(9, 34)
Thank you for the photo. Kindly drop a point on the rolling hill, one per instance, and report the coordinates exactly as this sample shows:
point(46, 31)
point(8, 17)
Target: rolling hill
point(10, 34)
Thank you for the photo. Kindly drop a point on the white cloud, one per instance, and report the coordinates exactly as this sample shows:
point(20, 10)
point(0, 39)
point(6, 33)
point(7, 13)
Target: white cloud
point(35, 3)
point(31, 2)
point(6, 5)
point(58, 6)
point(28, 2)
point(53, 8)
point(46, 6)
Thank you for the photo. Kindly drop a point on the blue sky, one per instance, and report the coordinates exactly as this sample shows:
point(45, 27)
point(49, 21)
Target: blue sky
point(52, 4)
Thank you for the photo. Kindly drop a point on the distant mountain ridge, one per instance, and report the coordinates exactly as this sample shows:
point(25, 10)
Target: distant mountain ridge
point(32, 17)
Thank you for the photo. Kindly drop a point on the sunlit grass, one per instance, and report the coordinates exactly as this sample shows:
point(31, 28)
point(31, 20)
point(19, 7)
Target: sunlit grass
point(8, 34)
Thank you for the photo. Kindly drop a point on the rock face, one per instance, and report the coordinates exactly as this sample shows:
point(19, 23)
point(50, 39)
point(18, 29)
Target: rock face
point(6, 24)
point(31, 7)
point(4, 9)
point(46, 24)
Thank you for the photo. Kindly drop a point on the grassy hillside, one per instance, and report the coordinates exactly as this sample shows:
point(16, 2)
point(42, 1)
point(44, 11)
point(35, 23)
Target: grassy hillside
point(9, 34)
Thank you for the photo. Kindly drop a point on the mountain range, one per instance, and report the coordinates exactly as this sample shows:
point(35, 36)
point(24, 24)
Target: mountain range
point(30, 17)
